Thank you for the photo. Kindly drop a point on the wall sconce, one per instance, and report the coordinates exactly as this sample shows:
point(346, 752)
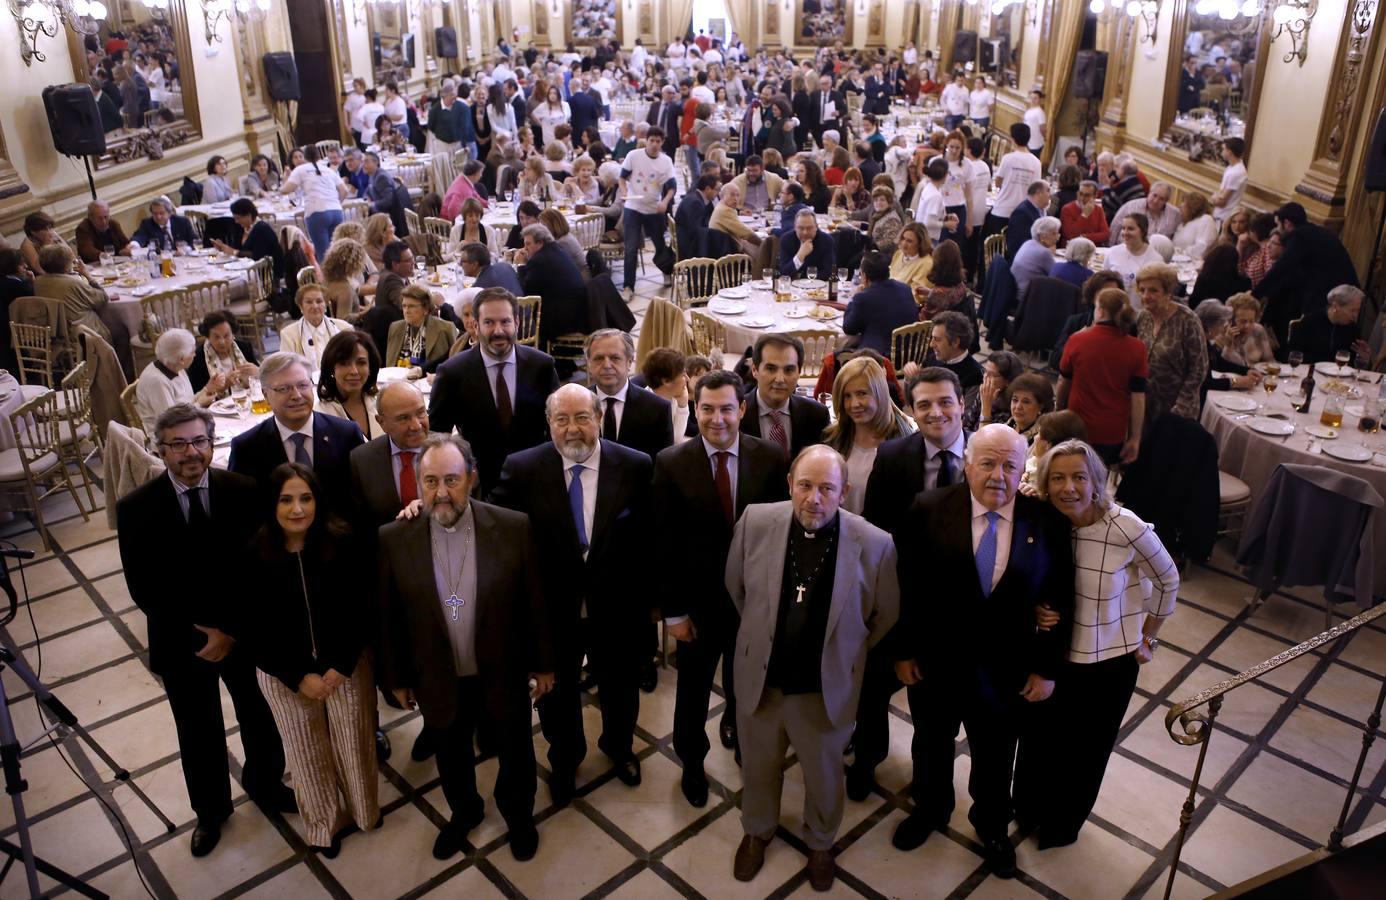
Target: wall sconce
point(43, 17)
point(1294, 17)
point(1145, 12)
point(214, 12)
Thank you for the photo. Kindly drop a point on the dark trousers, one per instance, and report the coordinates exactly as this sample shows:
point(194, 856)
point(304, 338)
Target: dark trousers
point(515, 781)
point(697, 668)
point(958, 236)
point(992, 726)
point(1066, 743)
point(613, 650)
point(637, 226)
point(878, 685)
point(195, 700)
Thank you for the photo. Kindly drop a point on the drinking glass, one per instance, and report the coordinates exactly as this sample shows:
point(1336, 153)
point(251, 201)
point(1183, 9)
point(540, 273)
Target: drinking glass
point(241, 397)
point(107, 256)
point(1296, 358)
point(1269, 384)
point(812, 273)
point(842, 275)
point(1364, 370)
point(1342, 358)
point(769, 276)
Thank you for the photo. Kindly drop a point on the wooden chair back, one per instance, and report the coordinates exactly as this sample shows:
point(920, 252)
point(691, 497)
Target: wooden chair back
point(695, 281)
point(817, 345)
point(910, 343)
point(128, 408)
point(205, 297)
point(733, 271)
point(708, 333)
point(527, 326)
point(356, 211)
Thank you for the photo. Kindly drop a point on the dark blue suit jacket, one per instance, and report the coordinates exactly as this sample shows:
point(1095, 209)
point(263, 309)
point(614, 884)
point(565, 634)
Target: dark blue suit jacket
point(1018, 226)
point(150, 234)
point(878, 310)
point(259, 451)
point(500, 274)
point(585, 112)
point(690, 222)
point(822, 257)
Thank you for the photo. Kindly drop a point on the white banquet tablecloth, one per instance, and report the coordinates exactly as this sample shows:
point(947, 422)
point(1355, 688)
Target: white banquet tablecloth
point(761, 304)
point(125, 301)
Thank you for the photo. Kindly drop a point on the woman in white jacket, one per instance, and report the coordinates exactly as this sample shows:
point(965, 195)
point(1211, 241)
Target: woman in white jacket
point(1199, 230)
point(551, 112)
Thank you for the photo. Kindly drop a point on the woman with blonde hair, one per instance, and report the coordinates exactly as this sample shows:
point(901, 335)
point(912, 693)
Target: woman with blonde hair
point(556, 160)
point(380, 230)
point(584, 186)
point(1199, 230)
point(913, 259)
point(343, 275)
point(851, 196)
point(353, 230)
point(1246, 340)
point(866, 417)
point(535, 181)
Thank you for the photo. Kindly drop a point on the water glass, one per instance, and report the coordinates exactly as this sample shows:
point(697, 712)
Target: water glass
point(107, 257)
point(812, 273)
point(1295, 359)
point(769, 276)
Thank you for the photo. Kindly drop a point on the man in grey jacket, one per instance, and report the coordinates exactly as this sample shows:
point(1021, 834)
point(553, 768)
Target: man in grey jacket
point(816, 587)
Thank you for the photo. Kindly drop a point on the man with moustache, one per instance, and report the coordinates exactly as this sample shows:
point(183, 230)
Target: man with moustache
point(979, 560)
point(589, 502)
point(831, 593)
point(700, 489)
point(462, 636)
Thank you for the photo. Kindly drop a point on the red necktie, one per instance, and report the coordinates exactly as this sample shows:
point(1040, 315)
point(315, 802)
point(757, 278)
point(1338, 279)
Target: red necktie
point(408, 487)
point(777, 429)
point(724, 488)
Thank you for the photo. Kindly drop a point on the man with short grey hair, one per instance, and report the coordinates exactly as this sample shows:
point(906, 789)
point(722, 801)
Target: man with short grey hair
point(630, 415)
point(546, 270)
point(1164, 216)
point(1320, 335)
point(806, 248)
point(98, 233)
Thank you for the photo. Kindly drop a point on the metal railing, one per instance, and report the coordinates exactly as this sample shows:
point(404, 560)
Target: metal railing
point(1196, 727)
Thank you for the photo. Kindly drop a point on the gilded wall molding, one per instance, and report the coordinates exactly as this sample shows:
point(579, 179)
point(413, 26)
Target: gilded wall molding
point(11, 184)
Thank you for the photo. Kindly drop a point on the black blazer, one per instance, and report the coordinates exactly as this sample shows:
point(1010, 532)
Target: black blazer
point(261, 242)
point(512, 636)
point(1018, 226)
point(896, 477)
point(375, 499)
point(646, 423)
point(614, 577)
point(690, 223)
point(151, 235)
point(986, 644)
point(462, 399)
point(685, 503)
point(198, 375)
point(167, 571)
point(807, 419)
point(552, 276)
point(816, 123)
point(259, 451)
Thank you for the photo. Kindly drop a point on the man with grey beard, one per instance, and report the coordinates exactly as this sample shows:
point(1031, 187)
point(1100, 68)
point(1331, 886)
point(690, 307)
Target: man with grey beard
point(589, 501)
point(463, 634)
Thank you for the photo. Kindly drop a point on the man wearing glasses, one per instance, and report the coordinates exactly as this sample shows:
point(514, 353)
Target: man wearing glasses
point(295, 433)
point(165, 528)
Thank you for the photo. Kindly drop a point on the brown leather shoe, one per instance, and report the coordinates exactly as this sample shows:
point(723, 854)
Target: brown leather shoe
point(750, 856)
point(821, 870)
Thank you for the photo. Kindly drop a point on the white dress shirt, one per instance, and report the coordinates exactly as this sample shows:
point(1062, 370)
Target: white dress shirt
point(931, 460)
point(181, 490)
point(1003, 535)
point(285, 433)
point(493, 366)
point(620, 411)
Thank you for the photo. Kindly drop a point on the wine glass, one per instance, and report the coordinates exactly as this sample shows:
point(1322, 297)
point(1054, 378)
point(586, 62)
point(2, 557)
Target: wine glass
point(1269, 384)
point(240, 395)
point(1295, 359)
point(769, 276)
point(1342, 358)
point(107, 256)
point(812, 273)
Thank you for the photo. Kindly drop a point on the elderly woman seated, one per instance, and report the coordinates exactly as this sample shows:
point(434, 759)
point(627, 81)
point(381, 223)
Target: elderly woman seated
point(164, 382)
point(1074, 267)
point(1036, 256)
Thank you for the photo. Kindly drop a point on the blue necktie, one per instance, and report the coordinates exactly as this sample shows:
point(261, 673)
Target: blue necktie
point(575, 501)
point(300, 451)
point(986, 554)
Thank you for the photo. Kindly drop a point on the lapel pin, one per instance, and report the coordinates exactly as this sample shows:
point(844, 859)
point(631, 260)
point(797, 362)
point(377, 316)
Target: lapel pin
point(1030, 539)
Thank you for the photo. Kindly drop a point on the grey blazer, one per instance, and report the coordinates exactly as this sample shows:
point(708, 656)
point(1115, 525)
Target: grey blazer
point(865, 603)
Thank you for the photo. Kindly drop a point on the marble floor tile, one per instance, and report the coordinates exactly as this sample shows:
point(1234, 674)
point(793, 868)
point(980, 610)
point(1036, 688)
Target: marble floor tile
point(1232, 848)
point(1100, 864)
point(933, 870)
point(654, 811)
point(647, 885)
point(575, 856)
point(1327, 743)
point(705, 862)
point(405, 840)
point(249, 845)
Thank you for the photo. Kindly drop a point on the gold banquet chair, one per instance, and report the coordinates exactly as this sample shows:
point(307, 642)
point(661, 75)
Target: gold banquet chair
point(158, 313)
point(733, 271)
point(708, 333)
point(34, 468)
point(817, 345)
point(695, 281)
point(910, 343)
point(204, 297)
point(527, 324)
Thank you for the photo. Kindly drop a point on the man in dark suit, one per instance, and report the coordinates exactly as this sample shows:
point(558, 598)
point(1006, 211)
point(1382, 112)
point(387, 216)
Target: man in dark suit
point(477, 265)
point(165, 529)
point(385, 194)
point(976, 561)
point(826, 109)
point(692, 215)
point(878, 91)
point(880, 307)
point(1027, 213)
point(584, 110)
point(930, 458)
point(547, 271)
point(1313, 263)
point(806, 247)
point(774, 412)
point(588, 501)
point(163, 230)
point(494, 393)
point(630, 415)
point(295, 433)
point(462, 634)
point(700, 490)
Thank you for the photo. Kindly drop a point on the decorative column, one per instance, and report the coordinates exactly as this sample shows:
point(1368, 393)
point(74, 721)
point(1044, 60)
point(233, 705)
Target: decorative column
point(1119, 43)
point(542, 38)
point(875, 24)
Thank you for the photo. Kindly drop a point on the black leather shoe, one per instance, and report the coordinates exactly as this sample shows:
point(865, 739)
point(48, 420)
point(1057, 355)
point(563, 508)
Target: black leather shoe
point(424, 746)
point(694, 784)
point(449, 841)
point(861, 781)
point(911, 833)
point(727, 732)
point(649, 677)
point(332, 849)
point(587, 681)
point(1000, 856)
point(561, 789)
point(524, 843)
point(382, 746)
point(278, 799)
point(205, 838)
point(628, 772)
point(1049, 839)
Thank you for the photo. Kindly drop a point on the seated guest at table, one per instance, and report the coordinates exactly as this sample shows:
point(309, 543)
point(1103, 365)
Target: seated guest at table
point(564, 237)
point(476, 264)
point(295, 433)
point(947, 288)
point(39, 231)
point(546, 271)
point(165, 528)
point(1224, 373)
point(386, 310)
point(1020, 226)
point(864, 417)
point(536, 183)
point(948, 348)
point(1125, 589)
point(263, 178)
point(15, 281)
point(252, 238)
point(526, 214)
point(347, 381)
point(1103, 378)
point(625, 141)
point(164, 382)
point(163, 230)
point(215, 188)
point(308, 336)
point(913, 259)
point(1126, 188)
point(1133, 254)
point(774, 410)
point(583, 187)
point(1035, 258)
point(851, 198)
point(353, 172)
point(83, 301)
point(1161, 216)
point(665, 373)
point(758, 187)
point(386, 194)
point(556, 160)
point(296, 158)
point(791, 201)
point(1069, 178)
point(388, 138)
point(1175, 342)
point(98, 233)
point(310, 647)
point(692, 216)
point(1253, 248)
point(1031, 397)
point(344, 276)
point(1084, 217)
point(468, 228)
point(466, 186)
point(1246, 340)
point(419, 340)
point(1199, 230)
point(885, 221)
point(835, 160)
point(881, 306)
point(992, 402)
point(1321, 335)
point(222, 354)
point(380, 230)
point(806, 248)
point(1219, 278)
point(1073, 268)
point(724, 220)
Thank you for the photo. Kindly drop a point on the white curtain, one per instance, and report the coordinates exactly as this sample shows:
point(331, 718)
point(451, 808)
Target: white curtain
point(680, 17)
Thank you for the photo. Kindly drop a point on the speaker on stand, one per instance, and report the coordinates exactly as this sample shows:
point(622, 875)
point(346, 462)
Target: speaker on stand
point(281, 82)
point(1089, 82)
point(74, 121)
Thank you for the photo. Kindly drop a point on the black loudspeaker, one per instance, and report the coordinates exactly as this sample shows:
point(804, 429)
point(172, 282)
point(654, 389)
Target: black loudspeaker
point(1089, 74)
point(994, 55)
point(376, 53)
point(1376, 159)
point(281, 76)
point(74, 120)
point(445, 42)
point(964, 46)
point(406, 48)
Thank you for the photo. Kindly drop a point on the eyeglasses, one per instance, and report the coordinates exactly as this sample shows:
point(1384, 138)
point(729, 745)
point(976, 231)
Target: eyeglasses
point(181, 446)
point(582, 420)
point(283, 390)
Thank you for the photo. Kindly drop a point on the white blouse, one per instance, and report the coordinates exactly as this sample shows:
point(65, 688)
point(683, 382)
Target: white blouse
point(320, 187)
point(1194, 238)
point(859, 465)
point(156, 392)
point(333, 408)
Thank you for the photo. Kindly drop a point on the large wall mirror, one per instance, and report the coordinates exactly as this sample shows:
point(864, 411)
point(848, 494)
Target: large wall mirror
point(594, 21)
point(820, 23)
point(1000, 49)
point(140, 58)
point(1214, 81)
point(393, 52)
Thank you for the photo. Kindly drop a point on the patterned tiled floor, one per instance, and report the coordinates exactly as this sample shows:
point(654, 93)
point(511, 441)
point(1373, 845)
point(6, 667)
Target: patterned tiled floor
point(1273, 784)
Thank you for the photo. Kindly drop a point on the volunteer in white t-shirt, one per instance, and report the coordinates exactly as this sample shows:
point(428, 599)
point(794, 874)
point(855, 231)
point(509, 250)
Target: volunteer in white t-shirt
point(1229, 193)
point(954, 99)
point(1035, 118)
point(323, 193)
point(648, 180)
point(979, 103)
point(931, 212)
point(1014, 175)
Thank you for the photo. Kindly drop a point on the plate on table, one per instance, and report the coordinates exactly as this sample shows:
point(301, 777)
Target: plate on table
point(1332, 370)
point(1272, 427)
point(226, 407)
point(809, 284)
point(128, 282)
point(1322, 431)
point(796, 313)
point(238, 265)
point(735, 293)
point(757, 322)
point(1235, 402)
point(727, 309)
point(1348, 452)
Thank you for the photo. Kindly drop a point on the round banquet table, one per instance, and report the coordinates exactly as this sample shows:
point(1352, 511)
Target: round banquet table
point(125, 298)
point(1253, 456)
point(740, 316)
point(284, 209)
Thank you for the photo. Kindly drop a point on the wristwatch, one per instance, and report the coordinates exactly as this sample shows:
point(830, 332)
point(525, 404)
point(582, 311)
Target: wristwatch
point(1152, 643)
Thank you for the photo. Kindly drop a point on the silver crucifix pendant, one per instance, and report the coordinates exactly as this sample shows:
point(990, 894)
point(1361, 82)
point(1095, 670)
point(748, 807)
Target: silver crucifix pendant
point(454, 603)
point(800, 597)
